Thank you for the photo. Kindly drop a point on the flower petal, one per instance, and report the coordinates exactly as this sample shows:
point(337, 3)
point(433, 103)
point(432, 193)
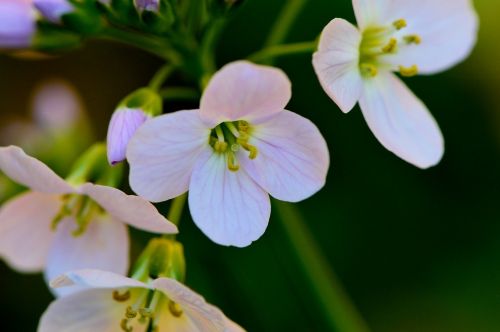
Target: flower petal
point(89, 310)
point(229, 207)
point(25, 232)
point(293, 159)
point(244, 91)
point(31, 172)
point(93, 278)
point(132, 210)
point(337, 63)
point(201, 316)
point(401, 122)
point(368, 12)
point(162, 153)
point(104, 245)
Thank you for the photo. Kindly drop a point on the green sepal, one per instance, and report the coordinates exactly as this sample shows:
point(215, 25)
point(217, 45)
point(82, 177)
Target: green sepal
point(145, 99)
point(50, 38)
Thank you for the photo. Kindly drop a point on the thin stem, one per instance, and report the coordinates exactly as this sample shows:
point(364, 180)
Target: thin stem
point(175, 212)
point(338, 310)
point(161, 76)
point(207, 52)
point(282, 50)
point(179, 93)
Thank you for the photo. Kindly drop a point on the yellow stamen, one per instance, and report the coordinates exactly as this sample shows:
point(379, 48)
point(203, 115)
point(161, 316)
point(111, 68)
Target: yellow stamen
point(232, 163)
point(391, 46)
point(368, 69)
point(250, 148)
point(399, 24)
point(408, 71)
point(220, 146)
point(175, 309)
point(130, 313)
point(243, 126)
point(124, 326)
point(413, 39)
point(121, 297)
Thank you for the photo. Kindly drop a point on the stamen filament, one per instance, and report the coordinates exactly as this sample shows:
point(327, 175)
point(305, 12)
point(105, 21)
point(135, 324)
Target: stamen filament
point(219, 133)
point(232, 129)
point(232, 162)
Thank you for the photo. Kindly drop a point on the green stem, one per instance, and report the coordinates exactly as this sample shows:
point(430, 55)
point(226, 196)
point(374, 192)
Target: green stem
point(175, 212)
point(179, 93)
point(207, 50)
point(161, 76)
point(282, 50)
point(339, 312)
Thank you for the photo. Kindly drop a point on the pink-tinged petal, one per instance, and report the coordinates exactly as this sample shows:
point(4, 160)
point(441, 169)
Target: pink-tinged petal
point(122, 126)
point(337, 63)
point(229, 207)
point(244, 91)
point(163, 152)
point(92, 310)
point(25, 232)
point(199, 315)
point(447, 29)
point(104, 245)
point(130, 209)
point(31, 172)
point(232, 326)
point(293, 159)
point(401, 122)
point(93, 278)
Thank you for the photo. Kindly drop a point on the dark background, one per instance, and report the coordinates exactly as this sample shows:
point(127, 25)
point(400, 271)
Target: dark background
point(416, 250)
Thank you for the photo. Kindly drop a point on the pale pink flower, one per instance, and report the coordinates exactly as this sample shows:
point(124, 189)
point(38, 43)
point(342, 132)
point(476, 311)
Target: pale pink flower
point(111, 302)
point(405, 36)
point(58, 227)
point(53, 10)
point(122, 127)
point(238, 147)
point(17, 23)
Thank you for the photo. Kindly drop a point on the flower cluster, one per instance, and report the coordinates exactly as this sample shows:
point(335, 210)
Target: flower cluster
point(228, 156)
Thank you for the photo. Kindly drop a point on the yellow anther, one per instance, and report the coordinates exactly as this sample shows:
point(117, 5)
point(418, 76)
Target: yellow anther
point(146, 312)
point(243, 126)
point(408, 71)
point(130, 313)
point(399, 24)
point(121, 297)
point(391, 46)
point(220, 146)
point(232, 163)
point(413, 39)
point(124, 326)
point(250, 148)
point(175, 309)
point(368, 69)
point(235, 147)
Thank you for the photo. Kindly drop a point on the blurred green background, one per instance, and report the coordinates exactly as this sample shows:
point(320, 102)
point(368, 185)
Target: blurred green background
point(416, 250)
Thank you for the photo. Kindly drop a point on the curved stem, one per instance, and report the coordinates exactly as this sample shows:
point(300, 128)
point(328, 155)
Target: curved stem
point(161, 76)
point(175, 212)
point(282, 50)
point(338, 310)
point(179, 93)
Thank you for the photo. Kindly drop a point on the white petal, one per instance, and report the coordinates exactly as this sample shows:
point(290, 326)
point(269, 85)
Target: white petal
point(25, 232)
point(92, 310)
point(162, 153)
point(201, 316)
point(244, 91)
point(293, 159)
point(132, 210)
point(104, 245)
point(229, 207)
point(401, 122)
point(92, 278)
point(337, 63)
point(368, 12)
point(448, 30)
point(31, 172)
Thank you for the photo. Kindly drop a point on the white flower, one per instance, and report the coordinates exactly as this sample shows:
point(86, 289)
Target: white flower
point(58, 227)
point(113, 303)
point(238, 147)
point(406, 36)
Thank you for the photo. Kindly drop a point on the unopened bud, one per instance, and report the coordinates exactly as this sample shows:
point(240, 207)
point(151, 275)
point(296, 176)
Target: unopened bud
point(147, 5)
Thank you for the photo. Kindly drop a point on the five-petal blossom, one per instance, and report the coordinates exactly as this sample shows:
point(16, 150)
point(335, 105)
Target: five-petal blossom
point(238, 147)
point(111, 302)
point(406, 36)
point(61, 227)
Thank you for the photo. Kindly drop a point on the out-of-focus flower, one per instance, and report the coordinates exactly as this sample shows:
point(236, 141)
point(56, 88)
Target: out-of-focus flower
point(147, 5)
point(112, 302)
point(409, 37)
point(53, 10)
point(17, 23)
point(59, 226)
point(238, 147)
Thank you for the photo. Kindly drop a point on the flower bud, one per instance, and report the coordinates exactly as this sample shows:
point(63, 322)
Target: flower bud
point(53, 10)
point(147, 5)
point(17, 23)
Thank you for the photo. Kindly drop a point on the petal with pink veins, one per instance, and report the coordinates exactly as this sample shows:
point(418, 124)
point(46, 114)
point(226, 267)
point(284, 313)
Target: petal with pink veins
point(25, 230)
point(244, 91)
point(229, 207)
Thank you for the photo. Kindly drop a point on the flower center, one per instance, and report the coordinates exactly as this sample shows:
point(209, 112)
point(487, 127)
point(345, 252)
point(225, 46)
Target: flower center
point(146, 309)
point(82, 208)
point(380, 41)
point(230, 137)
